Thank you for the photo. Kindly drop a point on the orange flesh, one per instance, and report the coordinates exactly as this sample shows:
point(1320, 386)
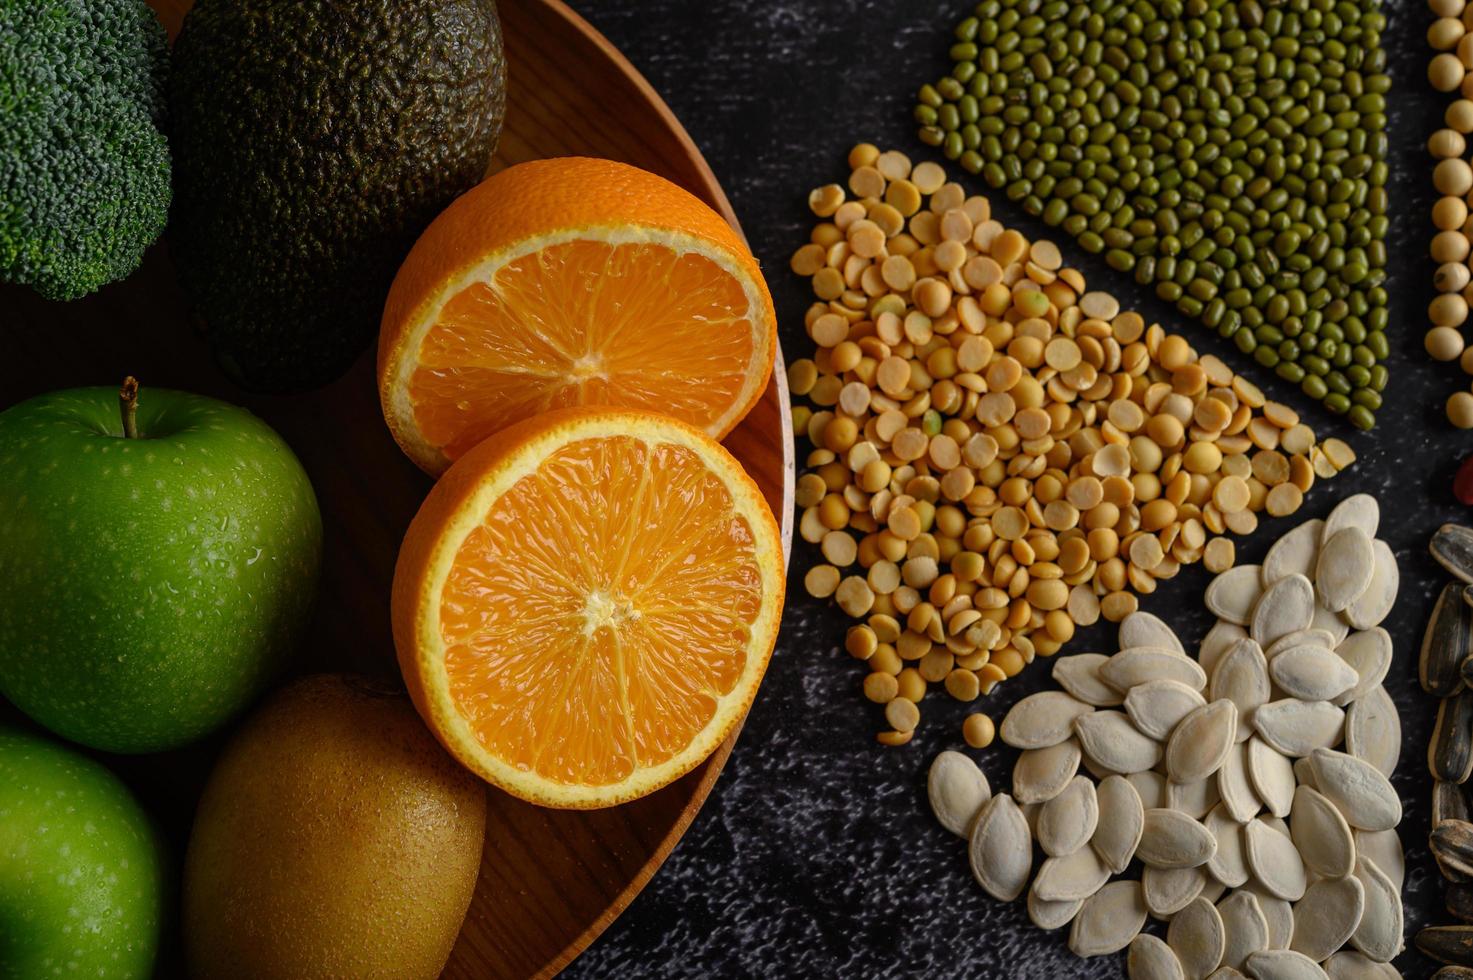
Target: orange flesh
point(604, 604)
point(583, 323)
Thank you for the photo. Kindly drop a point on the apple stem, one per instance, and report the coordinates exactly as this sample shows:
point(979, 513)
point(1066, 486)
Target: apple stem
point(128, 405)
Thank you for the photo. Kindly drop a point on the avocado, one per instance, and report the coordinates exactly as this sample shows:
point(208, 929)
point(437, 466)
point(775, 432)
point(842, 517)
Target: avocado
point(313, 141)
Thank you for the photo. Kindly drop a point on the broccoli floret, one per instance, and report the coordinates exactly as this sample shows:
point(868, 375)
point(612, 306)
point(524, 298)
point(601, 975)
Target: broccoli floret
point(84, 165)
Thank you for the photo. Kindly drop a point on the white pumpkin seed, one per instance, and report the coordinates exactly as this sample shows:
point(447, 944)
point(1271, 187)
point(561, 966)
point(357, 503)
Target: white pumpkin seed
point(1383, 848)
point(1358, 790)
point(1169, 890)
point(1151, 786)
point(1241, 676)
point(1120, 824)
point(1222, 635)
point(1244, 927)
point(1331, 623)
point(1350, 965)
point(1151, 959)
point(1213, 890)
point(1197, 938)
point(1196, 800)
point(1379, 933)
point(1110, 739)
point(1227, 973)
point(1141, 629)
point(1228, 864)
point(1294, 553)
point(1277, 913)
point(1233, 594)
point(1344, 569)
point(1066, 822)
point(1296, 728)
point(957, 789)
point(1030, 813)
point(1171, 839)
point(1285, 607)
point(1235, 786)
point(1327, 915)
point(1282, 964)
point(1304, 772)
point(1320, 832)
point(1312, 673)
point(1001, 848)
point(1050, 915)
point(1156, 706)
point(1374, 605)
point(1200, 743)
point(1095, 769)
point(1041, 774)
point(1360, 510)
point(1109, 919)
point(1042, 719)
point(1313, 637)
point(1369, 654)
point(1137, 665)
point(1274, 861)
point(1071, 877)
point(1079, 675)
point(1272, 776)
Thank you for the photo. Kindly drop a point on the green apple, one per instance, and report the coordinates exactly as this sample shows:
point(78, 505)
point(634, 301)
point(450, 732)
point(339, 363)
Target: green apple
point(81, 868)
point(158, 557)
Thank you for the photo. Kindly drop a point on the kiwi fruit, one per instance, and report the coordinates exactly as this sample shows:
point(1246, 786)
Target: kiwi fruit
point(335, 838)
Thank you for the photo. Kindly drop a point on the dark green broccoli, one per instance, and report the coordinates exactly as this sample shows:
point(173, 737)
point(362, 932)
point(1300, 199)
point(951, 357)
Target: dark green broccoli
point(84, 165)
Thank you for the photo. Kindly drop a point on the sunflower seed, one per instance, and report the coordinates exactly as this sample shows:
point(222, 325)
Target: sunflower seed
point(1171, 839)
point(1066, 822)
point(1272, 776)
point(1312, 673)
point(1233, 594)
point(1452, 547)
point(1452, 845)
point(1274, 861)
point(1375, 603)
point(1151, 959)
point(1460, 901)
point(1282, 964)
point(1041, 720)
point(1450, 750)
point(1453, 973)
point(1228, 863)
point(1298, 728)
point(1041, 774)
point(1200, 743)
point(1109, 920)
point(1284, 607)
point(1157, 706)
point(1110, 739)
point(1447, 944)
point(1169, 890)
point(1137, 665)
point(1079, 675)
point(1241, 676)
point(1360, 510)
point(1050, 915)
point(1384, 848)
point(1378, 935)
point(1294, 553)
point(1151, 786)
point(1313, 637)
point(1001, 848)
point(1222, 635)
point(1197, 938)
point(1071, 877)
point(1445, 644)
point(1327, 915)
point(1448, 802)
point(1244, 926)
point(1358, 790)
point(1277, 914)
point(1235, 787)
point(1468, 594)
point(1373, 730)
point(1196, 800)
point(957, 789)
point(1368, 653)
point(1141, 629)
point(1344, 568)
point(1331, 623)
point(1350, 965)
point(1321, 834)
point(1122, 820)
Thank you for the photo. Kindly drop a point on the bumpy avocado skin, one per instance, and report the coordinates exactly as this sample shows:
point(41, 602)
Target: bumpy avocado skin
point(313, 141)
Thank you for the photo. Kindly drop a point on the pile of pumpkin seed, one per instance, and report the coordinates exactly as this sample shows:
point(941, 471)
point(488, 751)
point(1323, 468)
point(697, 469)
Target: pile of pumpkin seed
point(1242, 796)
point(1232, 153)
point(1445, 669)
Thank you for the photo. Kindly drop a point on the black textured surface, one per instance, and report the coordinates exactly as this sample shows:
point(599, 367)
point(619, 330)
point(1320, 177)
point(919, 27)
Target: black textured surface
point(816, 854)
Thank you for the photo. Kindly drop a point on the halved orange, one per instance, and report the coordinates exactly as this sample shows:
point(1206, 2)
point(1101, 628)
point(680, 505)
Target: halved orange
point(586, 602)
point(571, 281)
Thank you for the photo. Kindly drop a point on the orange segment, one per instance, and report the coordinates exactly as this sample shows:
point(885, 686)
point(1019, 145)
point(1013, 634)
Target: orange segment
point(571, 282)
point(585, 604)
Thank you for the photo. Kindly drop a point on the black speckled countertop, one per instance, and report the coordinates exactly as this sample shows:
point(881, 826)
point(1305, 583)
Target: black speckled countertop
point(816, 854)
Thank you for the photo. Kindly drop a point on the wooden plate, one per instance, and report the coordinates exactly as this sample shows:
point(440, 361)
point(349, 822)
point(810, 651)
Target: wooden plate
point(550, 880)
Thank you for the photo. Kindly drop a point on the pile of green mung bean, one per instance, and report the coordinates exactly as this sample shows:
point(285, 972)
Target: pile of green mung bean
point(1231, 153)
